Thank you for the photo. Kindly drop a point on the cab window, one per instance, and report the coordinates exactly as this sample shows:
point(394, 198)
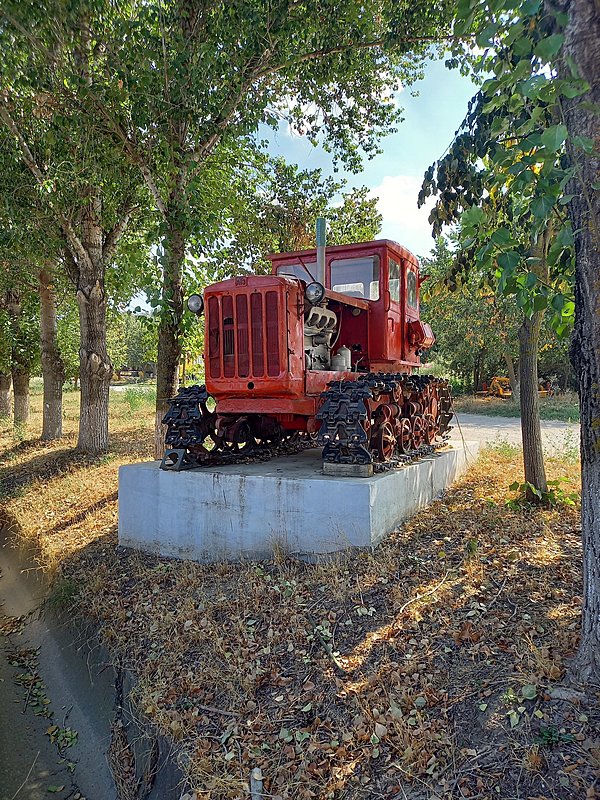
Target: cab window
point(394, 281)
point(356, 277)
point(411, 289)
point(303, 273)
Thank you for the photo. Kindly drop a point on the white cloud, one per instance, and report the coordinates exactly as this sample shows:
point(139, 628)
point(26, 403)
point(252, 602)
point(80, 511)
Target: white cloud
point(402, 219)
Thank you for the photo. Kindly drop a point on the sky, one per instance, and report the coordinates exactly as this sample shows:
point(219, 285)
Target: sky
point(394, 177)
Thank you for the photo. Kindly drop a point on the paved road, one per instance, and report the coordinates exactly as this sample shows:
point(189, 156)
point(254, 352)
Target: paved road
point(558, 437)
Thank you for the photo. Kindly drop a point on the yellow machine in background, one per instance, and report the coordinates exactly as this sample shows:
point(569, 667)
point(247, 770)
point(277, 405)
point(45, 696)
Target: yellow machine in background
point(499, 387)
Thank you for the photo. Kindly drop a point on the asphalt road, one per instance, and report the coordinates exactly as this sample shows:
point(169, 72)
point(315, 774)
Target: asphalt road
point(558, 437)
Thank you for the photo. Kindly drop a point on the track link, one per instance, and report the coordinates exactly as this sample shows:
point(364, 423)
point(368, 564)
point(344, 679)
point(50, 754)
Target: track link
point(384, 419)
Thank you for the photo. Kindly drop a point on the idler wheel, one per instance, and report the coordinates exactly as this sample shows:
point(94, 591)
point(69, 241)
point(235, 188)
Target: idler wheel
point(430, 428)
point(384, 441)
point(243, 439)
point(418, 432)
point(404, 439)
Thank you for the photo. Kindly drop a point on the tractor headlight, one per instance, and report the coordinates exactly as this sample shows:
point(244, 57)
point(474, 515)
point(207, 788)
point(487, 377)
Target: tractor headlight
point(314, 293)
point(195, 304)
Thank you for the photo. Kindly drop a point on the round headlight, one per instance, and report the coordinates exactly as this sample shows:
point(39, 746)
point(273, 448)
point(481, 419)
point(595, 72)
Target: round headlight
point(195, 303)
point(314, 293)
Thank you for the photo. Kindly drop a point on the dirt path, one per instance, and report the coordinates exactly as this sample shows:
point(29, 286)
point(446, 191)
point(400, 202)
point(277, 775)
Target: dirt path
point(559, 437)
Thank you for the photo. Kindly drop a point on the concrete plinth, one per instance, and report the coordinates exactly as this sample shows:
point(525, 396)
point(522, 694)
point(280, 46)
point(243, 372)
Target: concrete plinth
point(249, 510)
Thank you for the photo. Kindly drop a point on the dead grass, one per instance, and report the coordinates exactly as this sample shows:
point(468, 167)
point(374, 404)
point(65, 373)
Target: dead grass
point(424, 670)
point(63, 500)
point(564, 406)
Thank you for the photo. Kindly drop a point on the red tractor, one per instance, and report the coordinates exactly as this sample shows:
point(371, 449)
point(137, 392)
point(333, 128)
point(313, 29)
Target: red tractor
point(322, 351)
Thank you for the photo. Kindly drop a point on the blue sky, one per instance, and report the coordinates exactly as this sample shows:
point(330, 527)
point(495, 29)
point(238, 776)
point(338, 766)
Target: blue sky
point(395, 176)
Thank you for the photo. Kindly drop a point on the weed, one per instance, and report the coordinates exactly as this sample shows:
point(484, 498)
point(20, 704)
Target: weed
point(20, 432)
point(136, 398)
point(550, 736)
point(504, 448)
point(64, 593)
point(553, 497)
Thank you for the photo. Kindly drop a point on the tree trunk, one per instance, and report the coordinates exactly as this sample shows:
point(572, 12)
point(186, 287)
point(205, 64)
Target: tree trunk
point(169, 332)
point(5, 404)
point(533, 456)
point(95, 369)
point(512, 375)
point(53, 370)
point(582, 45)
point(477, 370)
point(20, 379)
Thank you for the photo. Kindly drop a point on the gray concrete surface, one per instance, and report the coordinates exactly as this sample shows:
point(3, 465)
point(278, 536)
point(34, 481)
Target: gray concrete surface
point(247, 510)
point(558, 437)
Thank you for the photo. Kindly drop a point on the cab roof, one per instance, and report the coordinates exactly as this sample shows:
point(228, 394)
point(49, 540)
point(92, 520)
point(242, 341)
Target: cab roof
point(393, 247)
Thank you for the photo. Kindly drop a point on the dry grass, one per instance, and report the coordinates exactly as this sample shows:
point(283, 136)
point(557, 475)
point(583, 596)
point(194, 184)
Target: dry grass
point(63, 500)
point(564, 406)
point(403, 673)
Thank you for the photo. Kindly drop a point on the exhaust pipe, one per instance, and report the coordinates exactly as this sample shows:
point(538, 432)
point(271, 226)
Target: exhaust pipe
point(321, 235)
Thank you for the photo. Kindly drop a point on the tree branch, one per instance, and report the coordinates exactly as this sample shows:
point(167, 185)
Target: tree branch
point(113, 237)
point(134, 156)
point(72, 239)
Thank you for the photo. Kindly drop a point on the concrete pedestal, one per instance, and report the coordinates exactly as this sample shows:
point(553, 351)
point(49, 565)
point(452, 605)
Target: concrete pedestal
point(249, 510)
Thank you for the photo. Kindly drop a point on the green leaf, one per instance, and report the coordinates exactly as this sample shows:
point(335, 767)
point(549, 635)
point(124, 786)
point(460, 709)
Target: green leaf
point(515, 486)
point(568, 308)
point(547, 48)
point(486, 36)
point(584, 143)
point(472, 216)
point(508, 261)
point(554, 137)
point(541, 206)
point(531, 280)
point(514, 718)
point(540, 302)
point(529, 691)
point(502, 236)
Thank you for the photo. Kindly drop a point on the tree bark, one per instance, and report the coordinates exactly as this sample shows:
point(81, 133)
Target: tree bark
point(5, 404)
point(512, 375)
point(582, 45)
point(53, 370)
point(20, 379)
point(169, 332)
point(531, 432)
point(95, 369)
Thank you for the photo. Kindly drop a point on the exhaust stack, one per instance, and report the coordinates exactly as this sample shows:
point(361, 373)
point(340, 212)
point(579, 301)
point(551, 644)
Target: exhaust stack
point(321, 235)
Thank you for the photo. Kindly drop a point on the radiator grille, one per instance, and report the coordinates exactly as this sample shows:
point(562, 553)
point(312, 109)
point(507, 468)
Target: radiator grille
point(241, 313)
point(214, 323)
point(258, 355)
point(272, 316)
point(243, 335)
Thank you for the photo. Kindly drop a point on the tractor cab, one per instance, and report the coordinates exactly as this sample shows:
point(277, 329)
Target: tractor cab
point(373, 289)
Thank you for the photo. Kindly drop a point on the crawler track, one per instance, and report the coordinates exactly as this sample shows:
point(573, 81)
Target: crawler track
point(385, 419)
